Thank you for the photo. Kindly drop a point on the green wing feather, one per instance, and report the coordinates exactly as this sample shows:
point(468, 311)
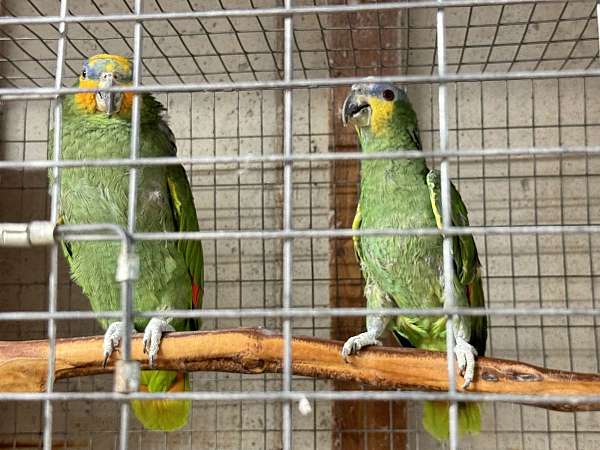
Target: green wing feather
point(184, 215)
point(185, 219)
point(466, 260)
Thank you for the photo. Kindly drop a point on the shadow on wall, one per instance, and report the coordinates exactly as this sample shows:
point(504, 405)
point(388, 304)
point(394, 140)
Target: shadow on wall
point(24, 197)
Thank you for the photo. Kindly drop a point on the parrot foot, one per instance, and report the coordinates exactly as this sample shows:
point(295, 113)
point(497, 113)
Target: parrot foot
point(465, 357)
point(152, 336)
point(112, 339)
point(355, 343)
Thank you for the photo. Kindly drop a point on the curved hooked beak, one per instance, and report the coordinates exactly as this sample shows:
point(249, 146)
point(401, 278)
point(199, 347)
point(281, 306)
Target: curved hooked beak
point(356, 110)
point(108, 102)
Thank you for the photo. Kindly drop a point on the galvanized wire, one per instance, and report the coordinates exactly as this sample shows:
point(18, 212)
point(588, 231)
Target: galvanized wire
point(289, 85)
point(303, 157)
point(448, 258)
point(299, 395)
point(288, 253)
point(54, 211)
point(265, 12)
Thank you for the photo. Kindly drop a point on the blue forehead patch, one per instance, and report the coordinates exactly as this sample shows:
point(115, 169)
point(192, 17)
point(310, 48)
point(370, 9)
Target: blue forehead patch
point(94, 67)
point(376, 89)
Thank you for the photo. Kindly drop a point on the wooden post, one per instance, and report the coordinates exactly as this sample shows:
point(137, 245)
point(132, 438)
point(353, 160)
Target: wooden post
point(358, 39)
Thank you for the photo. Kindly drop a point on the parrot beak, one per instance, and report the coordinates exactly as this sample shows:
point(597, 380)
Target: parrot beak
point(356, 110)
point(108, 102)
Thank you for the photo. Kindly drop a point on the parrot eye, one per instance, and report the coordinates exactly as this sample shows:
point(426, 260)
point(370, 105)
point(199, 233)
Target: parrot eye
point(388, 95)
point(83, 73)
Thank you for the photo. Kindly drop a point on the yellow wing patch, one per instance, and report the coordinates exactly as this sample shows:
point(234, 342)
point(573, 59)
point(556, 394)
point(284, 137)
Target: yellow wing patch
point(174, 195)
point(356, 226)
point(436, 212)
point(381, 113)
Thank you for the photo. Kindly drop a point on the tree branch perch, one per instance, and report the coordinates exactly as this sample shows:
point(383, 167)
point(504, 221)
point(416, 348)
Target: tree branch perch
point(23, 364)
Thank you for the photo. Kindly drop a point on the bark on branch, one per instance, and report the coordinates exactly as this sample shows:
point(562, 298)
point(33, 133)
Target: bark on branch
point(23, 364)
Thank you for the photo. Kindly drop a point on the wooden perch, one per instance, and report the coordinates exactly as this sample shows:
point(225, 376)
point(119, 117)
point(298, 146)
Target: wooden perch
point(23, 364)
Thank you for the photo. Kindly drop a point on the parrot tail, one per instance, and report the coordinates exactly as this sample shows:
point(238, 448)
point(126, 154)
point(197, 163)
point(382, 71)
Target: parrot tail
point(162, 415)
point(436, 420)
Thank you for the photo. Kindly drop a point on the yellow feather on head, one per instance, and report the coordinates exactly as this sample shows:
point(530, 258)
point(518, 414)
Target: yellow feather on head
point(381, 114)
point(92, 69)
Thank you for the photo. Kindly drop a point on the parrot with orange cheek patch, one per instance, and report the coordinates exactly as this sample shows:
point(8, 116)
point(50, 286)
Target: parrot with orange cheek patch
point(97, 125)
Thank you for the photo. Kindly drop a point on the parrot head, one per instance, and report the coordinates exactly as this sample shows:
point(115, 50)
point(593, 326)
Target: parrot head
point(101, 72)
point(374, 109)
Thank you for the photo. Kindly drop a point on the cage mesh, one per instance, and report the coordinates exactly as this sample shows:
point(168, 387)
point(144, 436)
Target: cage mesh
point(529, 270)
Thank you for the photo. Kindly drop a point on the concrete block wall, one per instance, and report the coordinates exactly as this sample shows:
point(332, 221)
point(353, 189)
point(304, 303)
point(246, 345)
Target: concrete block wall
point(525, 270)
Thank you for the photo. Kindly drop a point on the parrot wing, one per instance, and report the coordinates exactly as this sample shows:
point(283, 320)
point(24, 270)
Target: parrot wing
point(184, 215)
point(415, 137)
point(185, 219)
point(65, 245)
point(466, 261)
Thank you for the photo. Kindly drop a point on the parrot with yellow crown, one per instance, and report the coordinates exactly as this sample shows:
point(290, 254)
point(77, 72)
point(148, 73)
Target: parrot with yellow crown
point(407, 271)
point(97, 125)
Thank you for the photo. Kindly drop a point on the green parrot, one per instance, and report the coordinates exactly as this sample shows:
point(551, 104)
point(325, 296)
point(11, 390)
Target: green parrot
point(407, 271)
point(98, 126)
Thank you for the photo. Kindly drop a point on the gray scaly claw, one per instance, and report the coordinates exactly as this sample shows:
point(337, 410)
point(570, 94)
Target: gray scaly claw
point(152, 336)
point(465, 358)
point(112, 339)
point(355, 343)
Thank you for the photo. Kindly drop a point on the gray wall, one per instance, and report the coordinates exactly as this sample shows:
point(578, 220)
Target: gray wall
point(544, 271)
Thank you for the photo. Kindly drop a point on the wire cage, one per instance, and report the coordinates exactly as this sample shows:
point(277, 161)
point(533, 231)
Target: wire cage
point(253, 90)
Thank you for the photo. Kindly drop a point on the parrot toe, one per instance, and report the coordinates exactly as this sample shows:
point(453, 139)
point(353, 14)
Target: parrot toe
point(355, 343)
point(152, 336)
point(465, 358)
point(112, 339)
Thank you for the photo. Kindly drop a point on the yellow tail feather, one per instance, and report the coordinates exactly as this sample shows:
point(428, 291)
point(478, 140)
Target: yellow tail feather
point(436, 419)
point(162, 415)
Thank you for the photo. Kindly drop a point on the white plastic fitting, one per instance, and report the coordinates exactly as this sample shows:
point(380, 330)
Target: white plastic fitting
point(26, 234)
point(128, 266)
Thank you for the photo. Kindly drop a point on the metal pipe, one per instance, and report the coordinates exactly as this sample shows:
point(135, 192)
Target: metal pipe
point(348, 232)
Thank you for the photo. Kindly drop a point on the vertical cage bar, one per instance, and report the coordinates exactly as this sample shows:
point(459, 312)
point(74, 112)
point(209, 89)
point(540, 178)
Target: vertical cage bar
point(54, 206)
point(598, 22)
point(127, 288)
point(288, 33)
point(449, 299)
